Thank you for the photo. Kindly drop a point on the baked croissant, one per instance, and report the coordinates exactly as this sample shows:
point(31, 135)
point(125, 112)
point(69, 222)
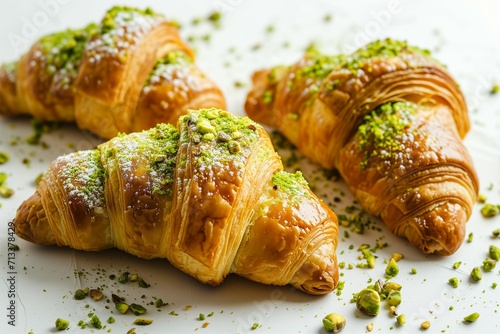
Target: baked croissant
point(129, 73)
point(210, 196)
point(391, 119)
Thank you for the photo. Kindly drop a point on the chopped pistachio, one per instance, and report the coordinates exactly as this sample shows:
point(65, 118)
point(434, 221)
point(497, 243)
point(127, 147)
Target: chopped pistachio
point(391, 286)
point(370, 258)
point(143, 321)
point(413, 271)
point(61, 324)
point(133, 277)
point(496, 233)
point(122, 307)
point(369, 327)
point(456, 265)
point(401, 319)
point(393, 310)
point(368, 301)
point(81, 294)
point(494, 252)
point(159, 303)
point(453, 282)
point(397, 256)
point(5, 191)
point(494, 285)
point(471, 317)
point(111, 320)
point(124, 277)
point(137, 309)
point(481, 198)
point(201, 317)
point(255, 326)
point(143, 283)
point(490, 210)
point(96, 294)
point(476, 274)
point(425, 325)
point(4, 157)
point(394, 298)
point(334, 322)
point(489, 265)
point(392, 268)
point(470, 237)
point(96, 322)
point(495, 89)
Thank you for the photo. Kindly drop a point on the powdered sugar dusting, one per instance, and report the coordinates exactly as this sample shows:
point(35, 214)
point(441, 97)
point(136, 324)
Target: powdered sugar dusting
point(129, 28)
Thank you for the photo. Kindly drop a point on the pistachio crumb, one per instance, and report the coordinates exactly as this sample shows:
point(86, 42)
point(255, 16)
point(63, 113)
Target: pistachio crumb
point(425, 325)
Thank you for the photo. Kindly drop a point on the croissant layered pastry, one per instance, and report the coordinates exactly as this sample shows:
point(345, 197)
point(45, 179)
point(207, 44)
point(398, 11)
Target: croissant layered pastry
point(210, 195)
point(391, 120)
point(127, 73)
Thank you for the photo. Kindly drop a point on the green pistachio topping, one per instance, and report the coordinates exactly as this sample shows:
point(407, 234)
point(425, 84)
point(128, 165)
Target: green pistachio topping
point(381, 134)
point(10, 67)
point(223, 137)
point(161, 68)
point(382, 49)
point(109, 23)
point(293, 184)
point(64, 50)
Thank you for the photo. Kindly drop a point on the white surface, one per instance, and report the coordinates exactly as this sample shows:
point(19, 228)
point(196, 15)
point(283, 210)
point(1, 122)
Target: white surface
point(464, 35)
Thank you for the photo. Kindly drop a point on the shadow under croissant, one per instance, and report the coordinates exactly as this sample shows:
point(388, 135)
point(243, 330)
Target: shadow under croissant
point(210, 196)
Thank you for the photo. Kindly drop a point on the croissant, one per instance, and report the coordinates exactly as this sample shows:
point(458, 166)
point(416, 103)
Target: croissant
point(128, 73)
point(391, 120)
point(210, 195)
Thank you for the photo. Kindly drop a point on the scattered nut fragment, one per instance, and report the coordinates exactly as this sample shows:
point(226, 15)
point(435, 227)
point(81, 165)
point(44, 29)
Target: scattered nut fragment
point(397, 256)
point(401, 319)
point(137, 309)
point(368, 301)
point(369, 327)
point(425, 325)
point(96, 294)
point(453, 282)
point(471, 317)
point(334, 322)
point(489, 265)
point(476, 274)
point(392, 268)
point(394, 298)
point(494, 252)
point(61, 324)
point(81, 294)
point(143, 321)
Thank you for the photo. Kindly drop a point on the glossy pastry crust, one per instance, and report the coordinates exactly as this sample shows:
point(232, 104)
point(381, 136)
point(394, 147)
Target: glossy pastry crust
point(96, 76)
point(322, 104)
point(210, 196)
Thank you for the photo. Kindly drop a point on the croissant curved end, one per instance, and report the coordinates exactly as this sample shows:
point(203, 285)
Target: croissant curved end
point(438, 231)
point(31, 224)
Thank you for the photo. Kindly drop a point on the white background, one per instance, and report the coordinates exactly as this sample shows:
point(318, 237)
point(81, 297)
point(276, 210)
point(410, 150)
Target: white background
point(465, 35)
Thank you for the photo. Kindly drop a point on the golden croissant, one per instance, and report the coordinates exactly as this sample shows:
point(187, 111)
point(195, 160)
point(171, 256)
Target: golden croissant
point(128, 73)
point(210, 195)
point(391, 119)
